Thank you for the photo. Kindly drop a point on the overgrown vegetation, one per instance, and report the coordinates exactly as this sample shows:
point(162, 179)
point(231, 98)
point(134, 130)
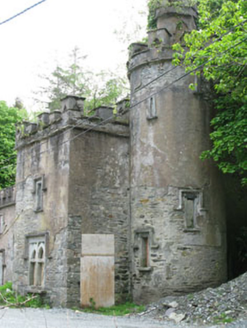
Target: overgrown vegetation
point(116, 310)
point(153, 5)
point(219, 49)
point(9, 298)
point(9, 116)
point(222, 318)
point(102, 88)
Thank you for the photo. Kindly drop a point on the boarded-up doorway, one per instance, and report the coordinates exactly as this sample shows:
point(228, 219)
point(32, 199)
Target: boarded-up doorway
point(97, 270)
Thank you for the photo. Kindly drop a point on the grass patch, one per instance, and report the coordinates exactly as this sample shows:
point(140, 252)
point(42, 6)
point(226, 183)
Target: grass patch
point(10, 298)
point(222, 318)
point(116, 310)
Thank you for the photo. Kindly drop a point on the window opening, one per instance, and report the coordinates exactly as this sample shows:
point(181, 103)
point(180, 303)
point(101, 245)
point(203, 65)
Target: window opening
point(38, 195)
point(36, 262)
point(190, 202)
point(145, 252)
point(2, 267)
point(38, 190)
point(1, 223)
point(40, 268)
point(152, 110)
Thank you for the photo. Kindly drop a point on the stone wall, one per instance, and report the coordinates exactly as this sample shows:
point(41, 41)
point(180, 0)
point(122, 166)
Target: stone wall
point(7, 196)
point(170, 185)
point(46, 161)
point(98, 192)
point(72, 178)
point(7, 220)
point(145, 184)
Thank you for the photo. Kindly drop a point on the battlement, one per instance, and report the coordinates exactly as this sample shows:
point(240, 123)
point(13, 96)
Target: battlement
point(7, 196)
point(70, 115)
point(173, 22)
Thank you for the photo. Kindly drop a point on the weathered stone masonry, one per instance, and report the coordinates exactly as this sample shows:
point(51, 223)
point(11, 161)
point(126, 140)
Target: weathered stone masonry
point(177, 210)
point(137, 176)
point(83, 188)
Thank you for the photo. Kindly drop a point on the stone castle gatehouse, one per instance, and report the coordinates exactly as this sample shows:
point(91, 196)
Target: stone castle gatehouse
point(109, 206)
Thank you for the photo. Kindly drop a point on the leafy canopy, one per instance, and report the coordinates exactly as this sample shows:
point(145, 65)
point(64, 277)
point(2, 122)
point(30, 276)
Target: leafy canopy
point(103, 88)
point(9, 116)
point(219, 48)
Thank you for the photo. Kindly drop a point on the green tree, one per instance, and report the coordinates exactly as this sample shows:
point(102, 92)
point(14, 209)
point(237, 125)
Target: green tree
point(9, 116)
point(103, 88)
point(219, 50)
point(72, 79)
point(106, 89)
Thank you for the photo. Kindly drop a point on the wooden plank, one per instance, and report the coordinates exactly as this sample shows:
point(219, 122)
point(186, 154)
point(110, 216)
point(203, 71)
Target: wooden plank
point(98, 244)
point(97, 271)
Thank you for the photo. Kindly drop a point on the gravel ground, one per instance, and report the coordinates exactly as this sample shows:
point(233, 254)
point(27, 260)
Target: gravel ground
point(211, 308)
point(224, 304)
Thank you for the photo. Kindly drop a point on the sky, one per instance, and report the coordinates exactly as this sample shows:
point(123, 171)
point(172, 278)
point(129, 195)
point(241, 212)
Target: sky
point(33, 44)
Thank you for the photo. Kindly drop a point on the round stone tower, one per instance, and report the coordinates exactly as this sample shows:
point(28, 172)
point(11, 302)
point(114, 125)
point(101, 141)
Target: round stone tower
point(177, 209)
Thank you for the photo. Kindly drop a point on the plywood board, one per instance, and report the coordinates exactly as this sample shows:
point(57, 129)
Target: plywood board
point(97, 271)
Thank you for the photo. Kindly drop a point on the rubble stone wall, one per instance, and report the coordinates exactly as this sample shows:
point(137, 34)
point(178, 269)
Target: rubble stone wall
point(7, 217)
point(177, 205)
point(99, 194)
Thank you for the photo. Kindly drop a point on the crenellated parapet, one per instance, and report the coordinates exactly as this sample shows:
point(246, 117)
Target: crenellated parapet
point(7, 196)
point(71, 115)
point(174, 20)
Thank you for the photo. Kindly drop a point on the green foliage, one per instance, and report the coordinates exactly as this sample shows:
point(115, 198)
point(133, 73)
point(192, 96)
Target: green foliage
point(92, 303)
point(152, 6)
point(116, 310)
point(10, 298)
point(219, 48)
point(8, 285)
point(9, 116)
point(106, 92)
point(222, 318)
point(103, 88)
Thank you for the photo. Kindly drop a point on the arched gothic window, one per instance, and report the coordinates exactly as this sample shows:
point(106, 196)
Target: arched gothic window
point(36, 262)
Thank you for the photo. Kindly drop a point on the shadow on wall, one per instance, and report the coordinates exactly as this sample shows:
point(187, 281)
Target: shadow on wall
point(236, 209)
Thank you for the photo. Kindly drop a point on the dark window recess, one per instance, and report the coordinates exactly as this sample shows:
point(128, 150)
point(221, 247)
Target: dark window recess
point(152, 110)
point(1, 223)
point(144, 252)
point(38, 196)
point(38, 192)
point(190, 202)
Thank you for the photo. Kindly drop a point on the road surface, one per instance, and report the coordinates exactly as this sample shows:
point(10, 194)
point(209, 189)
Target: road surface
point(63, 318)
